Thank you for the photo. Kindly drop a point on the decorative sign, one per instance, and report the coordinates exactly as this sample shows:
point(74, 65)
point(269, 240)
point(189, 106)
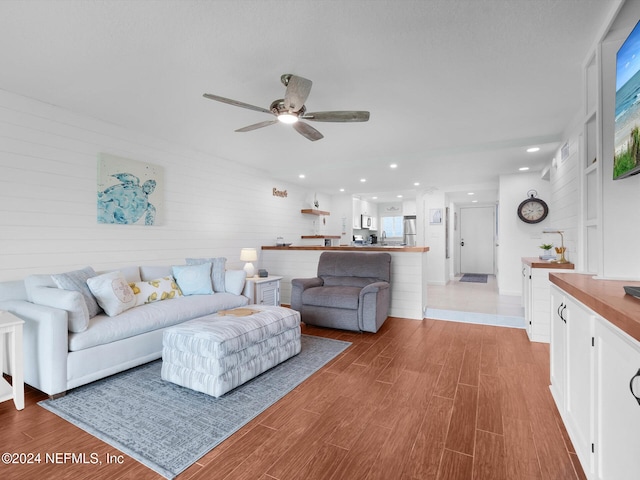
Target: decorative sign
point(279, 193)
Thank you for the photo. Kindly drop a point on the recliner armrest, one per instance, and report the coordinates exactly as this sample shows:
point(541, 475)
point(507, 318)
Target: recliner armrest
point(374, 288)
point(298, 286)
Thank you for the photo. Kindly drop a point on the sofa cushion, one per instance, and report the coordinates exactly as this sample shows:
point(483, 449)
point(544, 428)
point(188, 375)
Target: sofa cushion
point(113, 293)
point(217, 270)
point(193, 279)
point(152, 316)
point(164, 288)
point(77, 281)
point(335, 297)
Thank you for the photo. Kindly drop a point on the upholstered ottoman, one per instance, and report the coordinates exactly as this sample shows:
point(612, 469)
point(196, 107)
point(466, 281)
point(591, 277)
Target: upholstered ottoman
point(216, 353)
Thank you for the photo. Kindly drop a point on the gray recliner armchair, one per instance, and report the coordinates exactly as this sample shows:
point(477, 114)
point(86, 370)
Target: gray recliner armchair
point(351, 292)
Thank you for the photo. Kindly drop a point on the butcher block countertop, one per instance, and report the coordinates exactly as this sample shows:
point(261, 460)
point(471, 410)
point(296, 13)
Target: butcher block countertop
point(535, 262)
point(605, 297)
point(346, 248)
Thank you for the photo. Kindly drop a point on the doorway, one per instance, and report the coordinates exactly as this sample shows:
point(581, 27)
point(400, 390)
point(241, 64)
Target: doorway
point(477, 240)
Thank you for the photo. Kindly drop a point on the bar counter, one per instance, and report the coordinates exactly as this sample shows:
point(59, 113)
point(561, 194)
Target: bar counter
point(408, 272)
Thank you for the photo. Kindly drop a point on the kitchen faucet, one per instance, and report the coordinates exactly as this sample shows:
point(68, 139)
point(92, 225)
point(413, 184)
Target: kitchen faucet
point(384, 237)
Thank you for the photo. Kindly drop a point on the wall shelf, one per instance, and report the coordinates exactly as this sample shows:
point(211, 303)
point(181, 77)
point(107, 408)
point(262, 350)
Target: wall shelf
point(320, 236)
point(311, 211)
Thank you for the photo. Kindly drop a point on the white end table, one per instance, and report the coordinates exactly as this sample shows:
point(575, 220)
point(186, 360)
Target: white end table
point(263, 290)
point(11, 331)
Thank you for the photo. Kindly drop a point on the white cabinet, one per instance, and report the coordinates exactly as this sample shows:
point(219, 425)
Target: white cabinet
point(617, 412)
point(535, 297)
point(572, 370)
point(592, 366)
point(357, 212)
point(263, 291)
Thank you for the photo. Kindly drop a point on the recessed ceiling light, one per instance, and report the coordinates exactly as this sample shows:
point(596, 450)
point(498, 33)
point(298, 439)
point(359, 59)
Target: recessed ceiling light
point(533, 149)
point(301, 175)
point(470, 193)
point(399, 196)
point(342, 189)
point(474, 201)
point(363, 180)
point(523, 169)
point(374, 198)
point(415, 184)
point(393, 165)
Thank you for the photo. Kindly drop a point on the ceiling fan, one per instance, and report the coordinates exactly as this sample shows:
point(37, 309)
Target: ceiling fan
point(291, 109)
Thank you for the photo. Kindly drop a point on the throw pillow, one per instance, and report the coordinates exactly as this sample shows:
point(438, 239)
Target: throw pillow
point(193, 279)
point(234, 281)
point(77, 280)
point(217, 270)
point(113, 292)
point(155, 290)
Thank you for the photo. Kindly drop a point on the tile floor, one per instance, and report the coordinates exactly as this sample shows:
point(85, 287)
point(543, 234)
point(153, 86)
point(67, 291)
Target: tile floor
point(474, 303)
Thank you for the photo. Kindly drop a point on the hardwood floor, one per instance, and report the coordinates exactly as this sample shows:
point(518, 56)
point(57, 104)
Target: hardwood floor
point(418, 400)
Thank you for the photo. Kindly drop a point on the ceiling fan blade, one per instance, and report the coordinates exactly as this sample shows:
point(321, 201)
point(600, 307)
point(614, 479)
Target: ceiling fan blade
point(298, 90)
point(236, 103)
point(340, 116)
point(255, 126)
point(308, 131)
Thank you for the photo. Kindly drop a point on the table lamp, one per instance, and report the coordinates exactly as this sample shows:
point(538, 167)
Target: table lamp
point(249, 255)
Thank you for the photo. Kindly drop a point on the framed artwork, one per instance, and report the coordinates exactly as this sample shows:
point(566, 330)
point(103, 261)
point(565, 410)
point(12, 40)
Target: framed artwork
point(129, 192)
point(446, 232)
point(435, 216)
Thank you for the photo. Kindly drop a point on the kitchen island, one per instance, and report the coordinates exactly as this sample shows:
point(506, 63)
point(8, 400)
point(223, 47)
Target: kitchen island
point(408, 272)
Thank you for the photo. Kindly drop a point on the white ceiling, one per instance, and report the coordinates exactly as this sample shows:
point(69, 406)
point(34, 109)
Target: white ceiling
point(457, 89)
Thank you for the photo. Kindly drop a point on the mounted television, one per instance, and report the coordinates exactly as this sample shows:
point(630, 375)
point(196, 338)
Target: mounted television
point(626, 158)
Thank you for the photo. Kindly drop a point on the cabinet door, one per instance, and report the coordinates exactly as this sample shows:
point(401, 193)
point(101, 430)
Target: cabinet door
point(357, 212)
point(268, 293)
point(526, 296)
point(617, 447)
point(557, 349)
point(579, 379)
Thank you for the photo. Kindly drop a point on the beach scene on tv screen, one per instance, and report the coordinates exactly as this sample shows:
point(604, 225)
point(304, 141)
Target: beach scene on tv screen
point(627, 120)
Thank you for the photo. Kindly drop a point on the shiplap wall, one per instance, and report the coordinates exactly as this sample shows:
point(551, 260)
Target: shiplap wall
point(48, 186)
point(565, 200)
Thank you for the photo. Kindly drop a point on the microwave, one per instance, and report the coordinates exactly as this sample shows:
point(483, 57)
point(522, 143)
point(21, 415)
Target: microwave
point(365, 221)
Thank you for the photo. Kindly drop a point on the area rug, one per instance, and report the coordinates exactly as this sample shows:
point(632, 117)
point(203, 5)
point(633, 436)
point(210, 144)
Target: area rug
point(167, 427)
point(474, 278)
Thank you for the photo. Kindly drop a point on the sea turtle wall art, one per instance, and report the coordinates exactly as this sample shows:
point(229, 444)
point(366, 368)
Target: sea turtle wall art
point(129, 192)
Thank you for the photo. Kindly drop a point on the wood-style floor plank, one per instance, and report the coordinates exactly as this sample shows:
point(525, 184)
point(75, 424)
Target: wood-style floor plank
point(419, 400)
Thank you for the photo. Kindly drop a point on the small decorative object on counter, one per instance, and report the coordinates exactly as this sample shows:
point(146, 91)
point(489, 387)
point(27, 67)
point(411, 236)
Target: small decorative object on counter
point(547, 254)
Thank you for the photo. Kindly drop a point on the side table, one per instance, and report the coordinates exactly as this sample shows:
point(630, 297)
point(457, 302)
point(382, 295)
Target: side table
point(263, 290)
point(11, 331)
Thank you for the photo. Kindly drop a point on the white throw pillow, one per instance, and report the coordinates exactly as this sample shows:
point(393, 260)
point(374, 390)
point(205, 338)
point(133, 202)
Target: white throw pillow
point(234, 281)
point(193, 279)
point(112, 292)
point(151, 291)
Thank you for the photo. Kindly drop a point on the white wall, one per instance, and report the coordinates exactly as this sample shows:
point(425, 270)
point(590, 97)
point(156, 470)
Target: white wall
point(519, 239)
point(621, 198)
point(48, 185)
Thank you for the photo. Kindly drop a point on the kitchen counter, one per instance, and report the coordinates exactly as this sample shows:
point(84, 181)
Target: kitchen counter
point(349, 248)
point(408, 272)
point(605, 297)
point(535, 262)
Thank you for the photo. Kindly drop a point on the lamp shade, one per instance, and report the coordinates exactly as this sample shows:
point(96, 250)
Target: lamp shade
point(248, 255)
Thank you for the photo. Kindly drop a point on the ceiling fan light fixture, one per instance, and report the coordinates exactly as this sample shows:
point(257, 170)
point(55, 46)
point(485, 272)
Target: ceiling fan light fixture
point(287, 118)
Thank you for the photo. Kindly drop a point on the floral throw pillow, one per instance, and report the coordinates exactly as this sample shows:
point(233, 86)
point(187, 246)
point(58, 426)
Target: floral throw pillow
point(155, 290)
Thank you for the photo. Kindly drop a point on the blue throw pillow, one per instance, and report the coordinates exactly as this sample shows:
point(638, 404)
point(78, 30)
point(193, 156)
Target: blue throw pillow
point(217, 270)
point(193, 279)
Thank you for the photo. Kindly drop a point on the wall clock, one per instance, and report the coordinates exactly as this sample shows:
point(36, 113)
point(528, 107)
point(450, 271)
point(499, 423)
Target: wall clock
point(533, 210)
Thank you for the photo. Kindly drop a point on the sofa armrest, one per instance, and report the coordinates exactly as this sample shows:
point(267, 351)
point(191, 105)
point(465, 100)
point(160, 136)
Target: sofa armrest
point(298, 286)
point(45, 340)
point(374, 288)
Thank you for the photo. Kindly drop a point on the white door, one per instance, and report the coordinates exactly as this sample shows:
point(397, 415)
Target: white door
point(477, 226)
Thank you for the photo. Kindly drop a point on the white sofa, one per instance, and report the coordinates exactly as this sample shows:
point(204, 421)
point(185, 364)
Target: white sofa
point(57, 359)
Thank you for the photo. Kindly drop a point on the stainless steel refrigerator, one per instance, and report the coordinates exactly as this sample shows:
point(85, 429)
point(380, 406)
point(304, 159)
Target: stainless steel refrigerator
point(409, 231)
